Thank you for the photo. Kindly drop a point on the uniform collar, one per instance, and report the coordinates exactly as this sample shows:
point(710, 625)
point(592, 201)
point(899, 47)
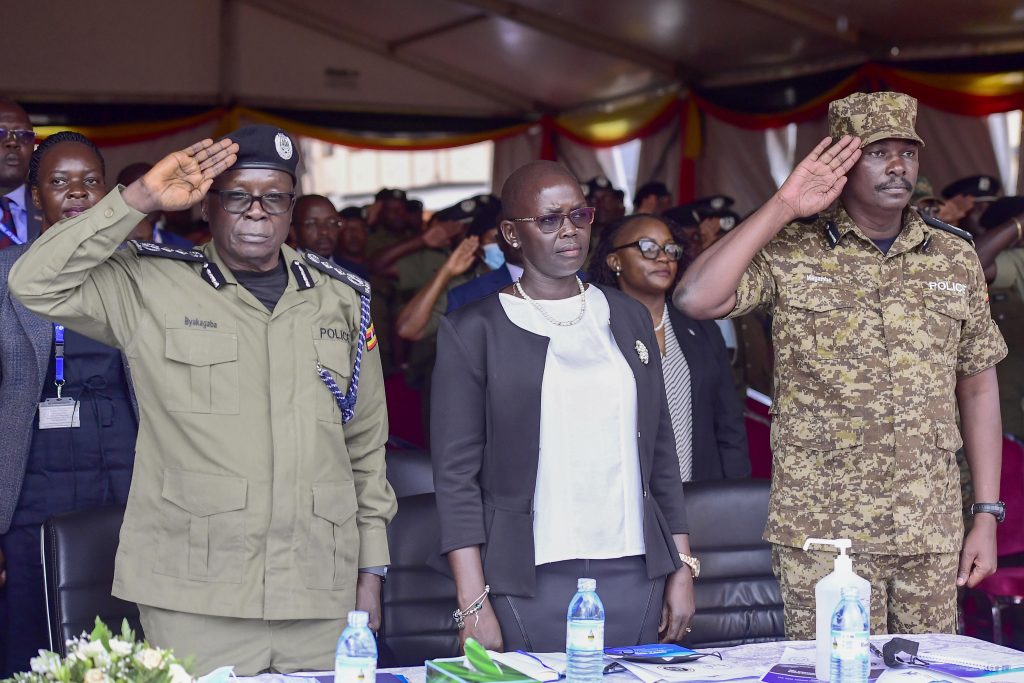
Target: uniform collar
point(913, 233)
point(288, 255)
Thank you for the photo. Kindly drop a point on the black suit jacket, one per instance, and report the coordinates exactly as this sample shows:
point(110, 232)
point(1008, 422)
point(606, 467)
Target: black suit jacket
point(485, 438)
point(719, 435)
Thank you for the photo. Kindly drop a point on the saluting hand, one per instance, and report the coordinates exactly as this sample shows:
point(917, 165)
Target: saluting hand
point(181, 179)
point(462, 257)
point(817, 181)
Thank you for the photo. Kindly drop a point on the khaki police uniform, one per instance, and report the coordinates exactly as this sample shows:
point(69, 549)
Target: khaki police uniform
point(1007, 299)
point(250, 498)
point(868, 350)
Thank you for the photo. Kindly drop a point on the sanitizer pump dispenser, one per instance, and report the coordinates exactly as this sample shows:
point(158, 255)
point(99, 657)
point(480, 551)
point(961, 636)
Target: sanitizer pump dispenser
point(827, 594)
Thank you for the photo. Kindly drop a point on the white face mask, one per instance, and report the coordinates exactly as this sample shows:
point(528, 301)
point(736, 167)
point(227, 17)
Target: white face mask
point(494, 257)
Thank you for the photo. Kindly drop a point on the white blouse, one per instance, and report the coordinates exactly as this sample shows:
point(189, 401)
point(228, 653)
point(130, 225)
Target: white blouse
point(588, 502)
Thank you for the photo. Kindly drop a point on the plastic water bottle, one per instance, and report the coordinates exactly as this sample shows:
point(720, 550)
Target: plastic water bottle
point(355, 660)
point(850, 630)
point(584, 635)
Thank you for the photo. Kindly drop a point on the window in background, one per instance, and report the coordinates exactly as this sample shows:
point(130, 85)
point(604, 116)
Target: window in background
point(621, 165)
point(780, 144)
point(1005, 131)
point(439, 178)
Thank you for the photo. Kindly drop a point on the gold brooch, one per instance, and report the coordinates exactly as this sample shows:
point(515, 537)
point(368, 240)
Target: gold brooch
point(641, 351)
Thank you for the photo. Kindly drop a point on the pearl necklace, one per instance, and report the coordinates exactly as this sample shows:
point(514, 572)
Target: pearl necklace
point(664, 317)
point(561, 323)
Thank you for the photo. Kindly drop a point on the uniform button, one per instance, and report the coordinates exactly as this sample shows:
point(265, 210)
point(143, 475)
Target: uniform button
point(108, 213)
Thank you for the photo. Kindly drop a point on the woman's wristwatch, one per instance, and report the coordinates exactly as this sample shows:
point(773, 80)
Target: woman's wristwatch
point(692, 562)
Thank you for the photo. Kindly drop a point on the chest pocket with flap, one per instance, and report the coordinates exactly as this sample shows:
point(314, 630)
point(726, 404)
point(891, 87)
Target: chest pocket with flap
point(336, 357)
point(830, 316)
point(202, 371)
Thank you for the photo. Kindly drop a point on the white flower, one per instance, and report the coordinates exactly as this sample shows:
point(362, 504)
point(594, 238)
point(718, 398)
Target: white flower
point(93, 650)
point(46, 663)
point(120, 647)
point(95, 676)
point(179, 675)
point(150, 658)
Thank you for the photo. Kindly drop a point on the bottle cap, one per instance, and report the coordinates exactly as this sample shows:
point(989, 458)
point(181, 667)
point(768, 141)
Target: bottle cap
point(586, 584)
point(358, 618)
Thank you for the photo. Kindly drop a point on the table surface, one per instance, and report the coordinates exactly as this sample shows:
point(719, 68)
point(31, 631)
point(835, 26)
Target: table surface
point(757, 654)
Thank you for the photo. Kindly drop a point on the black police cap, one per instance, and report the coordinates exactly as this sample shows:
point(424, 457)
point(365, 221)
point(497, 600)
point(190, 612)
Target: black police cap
point(1001, 211)
point(653, 188)
point(389, 193)
point(353, 212)
point(978, 186)
point(595, 185)
point(261, 146)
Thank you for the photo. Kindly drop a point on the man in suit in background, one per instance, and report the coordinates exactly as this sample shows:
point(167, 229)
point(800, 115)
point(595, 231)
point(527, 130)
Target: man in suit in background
point(19, 218)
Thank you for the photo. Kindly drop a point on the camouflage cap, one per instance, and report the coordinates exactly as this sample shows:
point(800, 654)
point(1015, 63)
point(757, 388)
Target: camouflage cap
point(874, 116)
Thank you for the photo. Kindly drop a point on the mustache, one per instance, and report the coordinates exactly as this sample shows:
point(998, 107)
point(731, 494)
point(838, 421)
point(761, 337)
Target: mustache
point(902, 184)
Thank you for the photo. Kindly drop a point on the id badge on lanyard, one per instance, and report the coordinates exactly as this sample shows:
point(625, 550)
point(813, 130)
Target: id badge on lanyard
point(60, 412)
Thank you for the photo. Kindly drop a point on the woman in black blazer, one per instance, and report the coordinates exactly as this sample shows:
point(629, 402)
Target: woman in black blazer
point(639, 255)
point(530, 495)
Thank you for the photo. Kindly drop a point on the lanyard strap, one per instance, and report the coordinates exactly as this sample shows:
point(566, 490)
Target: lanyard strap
point(58, 356)
point(10, 235)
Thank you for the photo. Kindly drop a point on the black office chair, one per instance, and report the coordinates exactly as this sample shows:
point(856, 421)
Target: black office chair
point(417, 601)
point(78, 570)
point(737, 596)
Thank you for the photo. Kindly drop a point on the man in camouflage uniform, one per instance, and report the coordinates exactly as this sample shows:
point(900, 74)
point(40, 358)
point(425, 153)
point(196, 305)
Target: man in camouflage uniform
point(881, 330)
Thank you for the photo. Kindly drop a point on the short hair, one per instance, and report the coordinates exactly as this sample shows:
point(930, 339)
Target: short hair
point(52, 141)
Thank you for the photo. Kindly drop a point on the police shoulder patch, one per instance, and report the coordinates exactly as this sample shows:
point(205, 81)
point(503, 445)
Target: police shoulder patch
point(357, 283)
point(952, 229)
point(163, 251)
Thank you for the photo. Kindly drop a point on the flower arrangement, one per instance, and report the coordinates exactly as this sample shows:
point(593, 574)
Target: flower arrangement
point(100, 657)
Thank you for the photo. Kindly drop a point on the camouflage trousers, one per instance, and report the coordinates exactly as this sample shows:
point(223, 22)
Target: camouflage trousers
point(909, 593)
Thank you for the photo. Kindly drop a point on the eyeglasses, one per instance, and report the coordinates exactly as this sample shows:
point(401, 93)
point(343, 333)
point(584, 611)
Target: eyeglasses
point(274, 203)
point(651, 249)
point(20, 135)
point(552, 222)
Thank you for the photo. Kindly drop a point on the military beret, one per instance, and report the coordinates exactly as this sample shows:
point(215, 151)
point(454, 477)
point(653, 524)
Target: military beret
point(981, 187)
point(1001, 211)
point(653, 188)
point(389, 193)
point(261, 146)
point(353, 212)
point(596, 184)
point(874, 116)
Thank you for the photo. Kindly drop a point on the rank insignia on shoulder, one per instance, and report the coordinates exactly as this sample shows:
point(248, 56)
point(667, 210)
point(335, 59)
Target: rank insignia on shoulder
point(338, 273)
point(933, 222)
point(163, 251)
point(832, 234)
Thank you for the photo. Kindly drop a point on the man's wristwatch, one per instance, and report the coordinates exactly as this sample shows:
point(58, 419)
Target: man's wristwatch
point(692, 562)
point(998, 509)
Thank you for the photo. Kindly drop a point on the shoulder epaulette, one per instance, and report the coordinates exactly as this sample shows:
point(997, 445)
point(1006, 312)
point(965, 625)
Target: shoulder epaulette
point(163, 251)
point(357, 283)
point(831, 234)
point(952, 229)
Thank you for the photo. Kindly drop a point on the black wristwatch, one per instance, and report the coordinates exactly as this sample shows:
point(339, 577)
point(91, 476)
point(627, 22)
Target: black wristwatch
point(998, 510)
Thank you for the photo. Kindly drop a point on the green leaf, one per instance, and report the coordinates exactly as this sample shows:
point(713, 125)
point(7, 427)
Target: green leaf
point(478, 658)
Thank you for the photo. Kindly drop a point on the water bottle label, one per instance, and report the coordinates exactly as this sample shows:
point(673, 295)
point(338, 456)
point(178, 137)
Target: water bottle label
point(355, 670)
point(848, 645)
point(585, 635)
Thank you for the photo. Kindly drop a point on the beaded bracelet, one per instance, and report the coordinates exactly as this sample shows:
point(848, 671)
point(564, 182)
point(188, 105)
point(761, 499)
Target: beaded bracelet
point(474, 608)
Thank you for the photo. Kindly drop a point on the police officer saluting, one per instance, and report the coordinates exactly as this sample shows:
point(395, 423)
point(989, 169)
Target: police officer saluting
point(882, 330)
point(257, 513)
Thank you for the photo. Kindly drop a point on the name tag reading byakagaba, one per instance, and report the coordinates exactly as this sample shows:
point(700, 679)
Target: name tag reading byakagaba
point(59, 413)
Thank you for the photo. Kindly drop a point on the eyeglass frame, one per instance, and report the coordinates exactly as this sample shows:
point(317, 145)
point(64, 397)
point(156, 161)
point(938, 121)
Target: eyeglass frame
point(8, 133)
point(563, 216)
point(661, 249)
point(338, 222)
point(254, 198)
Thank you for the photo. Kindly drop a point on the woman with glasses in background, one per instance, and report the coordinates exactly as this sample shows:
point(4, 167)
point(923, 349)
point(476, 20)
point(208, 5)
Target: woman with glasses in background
point(640, 255)
point(554, 457)
point(69, 413)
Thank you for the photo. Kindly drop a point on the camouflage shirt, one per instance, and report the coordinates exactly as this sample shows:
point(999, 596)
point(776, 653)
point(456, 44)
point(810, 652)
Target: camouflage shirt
point(868, 351)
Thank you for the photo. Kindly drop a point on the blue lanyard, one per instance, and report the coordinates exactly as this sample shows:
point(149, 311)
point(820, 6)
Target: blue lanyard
point(58, 356)
point(10, 235)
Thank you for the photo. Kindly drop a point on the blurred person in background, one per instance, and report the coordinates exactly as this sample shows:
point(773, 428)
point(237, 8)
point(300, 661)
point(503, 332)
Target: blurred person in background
point(20, 219)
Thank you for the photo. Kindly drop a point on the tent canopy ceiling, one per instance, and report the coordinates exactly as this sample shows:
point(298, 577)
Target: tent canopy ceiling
point(478, 58)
